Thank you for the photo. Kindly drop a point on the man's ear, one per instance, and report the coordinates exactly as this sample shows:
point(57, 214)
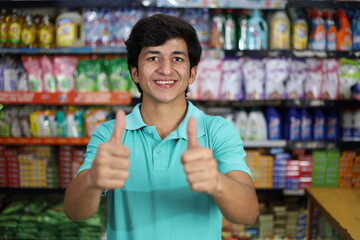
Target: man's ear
point(134, 74)
point(193, 72)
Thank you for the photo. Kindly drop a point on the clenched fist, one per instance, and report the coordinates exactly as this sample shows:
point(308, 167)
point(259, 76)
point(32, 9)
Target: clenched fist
point(199, 164)
point(110, 168)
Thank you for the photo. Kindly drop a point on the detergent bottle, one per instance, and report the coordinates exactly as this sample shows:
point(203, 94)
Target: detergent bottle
point(300, 31)
point(355, 26)
point(257, 32)
point(279, 31)
point(318, 33)
point(331, 31)
point(229, 31)
point(241, 30)
point(217, 30)
point(344, 36)
point(68, 29)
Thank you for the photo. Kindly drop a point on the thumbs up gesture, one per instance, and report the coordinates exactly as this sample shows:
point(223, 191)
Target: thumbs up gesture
point(199, 164)
point(110, 167)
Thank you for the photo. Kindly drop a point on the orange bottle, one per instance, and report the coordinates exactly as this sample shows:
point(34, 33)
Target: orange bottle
point(344, 36)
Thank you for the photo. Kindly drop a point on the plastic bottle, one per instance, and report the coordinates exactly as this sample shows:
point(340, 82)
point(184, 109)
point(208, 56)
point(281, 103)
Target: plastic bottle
point(347, 124)
point(356, 125)
point(229, 31)
point(241, 26)
point(217, 30)
point(300, 31)
point(68, 29)
point(28, 33)
point(332, 125)
point(274, 124)
point(344, 36)
point(279, 34)
point(14, 29)
point(256, 127)
point(46, 33)
point(292, 124)
point(241, 120)
point(319, 126)
point(355, 26)
point(257, 33)
point(3, 28)
point(306, 124)
point(331, 31)
point(317, 40)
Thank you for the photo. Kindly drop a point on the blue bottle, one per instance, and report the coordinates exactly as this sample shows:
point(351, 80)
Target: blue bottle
point(274, 123)
point(292, 124)
point(332, 125)
point(306, 124)
point(319, 127)
point(257, 32)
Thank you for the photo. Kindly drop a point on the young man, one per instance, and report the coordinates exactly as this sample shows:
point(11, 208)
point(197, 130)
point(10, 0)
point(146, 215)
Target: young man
point(170, 171)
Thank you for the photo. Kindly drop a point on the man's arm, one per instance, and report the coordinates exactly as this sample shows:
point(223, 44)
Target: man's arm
point(236, 197)
point(109, 170)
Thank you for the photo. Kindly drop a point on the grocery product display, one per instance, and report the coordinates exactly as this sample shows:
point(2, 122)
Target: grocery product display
point(288, 79)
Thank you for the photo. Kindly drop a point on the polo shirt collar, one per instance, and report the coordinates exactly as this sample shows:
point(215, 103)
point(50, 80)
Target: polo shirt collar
point(134, 120)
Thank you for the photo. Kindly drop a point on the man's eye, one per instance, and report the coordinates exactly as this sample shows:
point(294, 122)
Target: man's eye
point(178, 59)
point(153, 58)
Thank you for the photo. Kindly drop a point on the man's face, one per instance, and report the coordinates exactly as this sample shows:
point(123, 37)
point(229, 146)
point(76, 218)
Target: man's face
point(164, 71)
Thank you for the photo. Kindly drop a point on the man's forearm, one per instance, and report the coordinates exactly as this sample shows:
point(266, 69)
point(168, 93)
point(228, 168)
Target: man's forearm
point(237, 199)
point(80, 200)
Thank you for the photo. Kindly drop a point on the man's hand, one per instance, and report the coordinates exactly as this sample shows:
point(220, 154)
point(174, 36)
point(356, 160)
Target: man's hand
point(199, 164)
point(110, 168)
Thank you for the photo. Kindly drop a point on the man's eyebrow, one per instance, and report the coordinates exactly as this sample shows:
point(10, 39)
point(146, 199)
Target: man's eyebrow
point(158, 52)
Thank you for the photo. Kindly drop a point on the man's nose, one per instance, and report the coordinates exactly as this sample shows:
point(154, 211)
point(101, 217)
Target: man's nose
point(165, 67)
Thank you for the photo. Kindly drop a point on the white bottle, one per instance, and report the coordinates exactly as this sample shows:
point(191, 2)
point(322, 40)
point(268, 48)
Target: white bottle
point(356, 125)
point(241, 123)
point(347, 125)
point(256, 126)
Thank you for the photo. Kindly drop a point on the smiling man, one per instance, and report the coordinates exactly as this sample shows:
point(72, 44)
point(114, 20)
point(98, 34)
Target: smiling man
point(170, 170)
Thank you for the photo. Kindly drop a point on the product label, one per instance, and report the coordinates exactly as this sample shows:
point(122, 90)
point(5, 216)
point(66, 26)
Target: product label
point(3, 32)
point(15, 33)
point(300, 37)
point(45, 37)
point(65, 33)
point(27, 37)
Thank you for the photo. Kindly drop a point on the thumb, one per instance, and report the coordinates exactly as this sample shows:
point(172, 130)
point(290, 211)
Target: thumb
point(119, 128)
point(192, 133)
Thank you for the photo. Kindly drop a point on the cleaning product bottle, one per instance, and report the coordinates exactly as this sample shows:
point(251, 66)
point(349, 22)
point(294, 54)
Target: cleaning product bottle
point(274, 124)
point(14, 29)
point(332, 125)
point(256, 127)
point(319, 125)
point(355, 26)
point(344, 36)
point(331, 31)
point(257, 32)
point(28, 33)
point(3, 28)
point(306, 124)
point(68, 29)
point(356, 125)
point(229, 31)
point(241, 26)
point(217, 30)
point(300, 31)
point(317, 39)
point(241, 120)
point(279, 33)
point(292, 124)
point(46, 33)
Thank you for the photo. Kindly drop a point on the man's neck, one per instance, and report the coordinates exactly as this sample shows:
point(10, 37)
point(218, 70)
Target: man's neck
point(165, 117)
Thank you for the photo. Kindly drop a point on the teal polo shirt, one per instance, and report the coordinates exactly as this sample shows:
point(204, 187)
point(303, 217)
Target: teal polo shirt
point(156, 202)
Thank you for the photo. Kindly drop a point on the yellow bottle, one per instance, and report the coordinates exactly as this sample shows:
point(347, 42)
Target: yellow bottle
point(46, 33)
point(3, 28)
point(28, 33)
point(14, 29)
point(68, 29)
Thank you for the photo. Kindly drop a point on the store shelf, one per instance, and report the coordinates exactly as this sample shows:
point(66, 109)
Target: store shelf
point(292, 53)
point(265, 144)
point(101, 50)
point(73, 98)
point(68, 3)
point(323, 4)
point(35, 191)
point(43, 141)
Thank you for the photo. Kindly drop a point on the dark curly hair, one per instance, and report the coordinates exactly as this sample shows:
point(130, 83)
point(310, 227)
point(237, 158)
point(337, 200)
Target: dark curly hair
point(155, 31)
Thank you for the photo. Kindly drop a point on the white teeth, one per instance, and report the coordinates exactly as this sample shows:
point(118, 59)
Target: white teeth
point(165, 82)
